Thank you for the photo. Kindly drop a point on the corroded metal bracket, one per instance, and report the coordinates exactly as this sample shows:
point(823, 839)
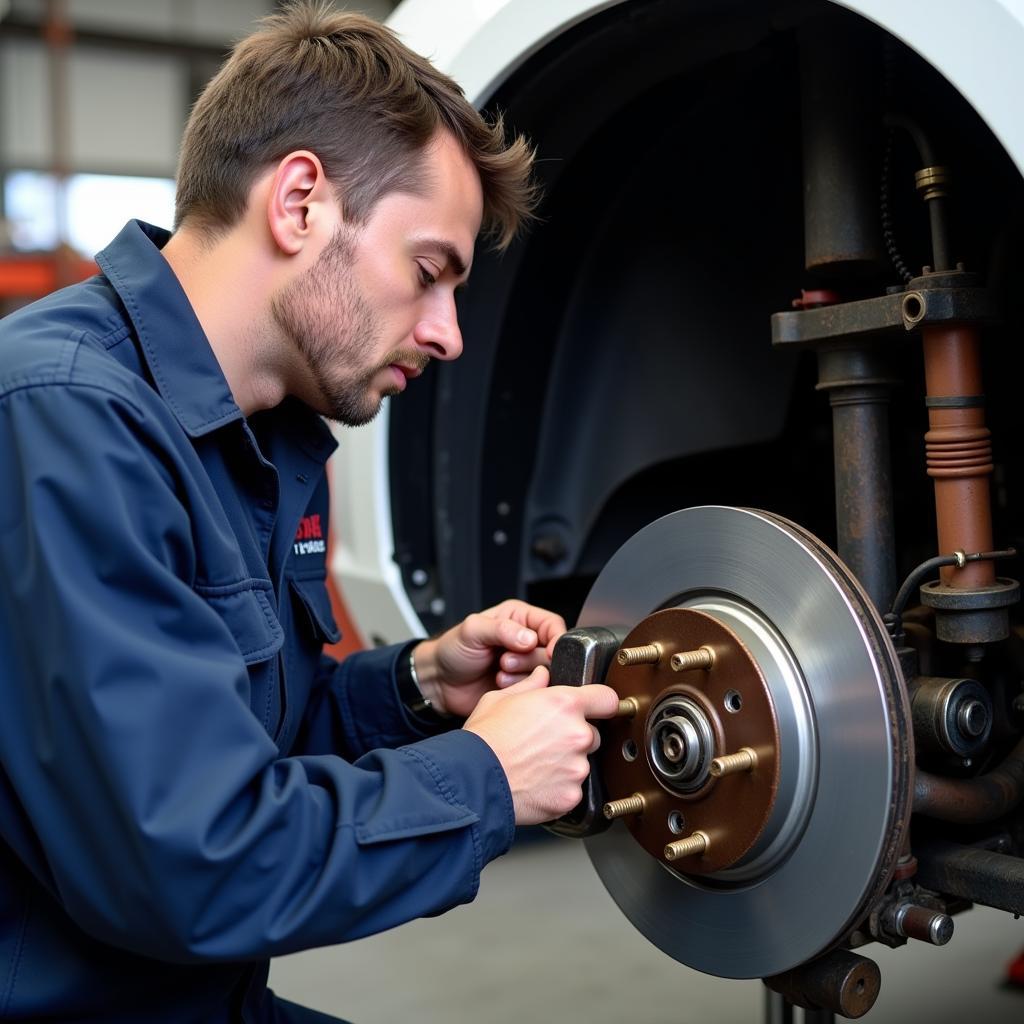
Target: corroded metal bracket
point(897, 315)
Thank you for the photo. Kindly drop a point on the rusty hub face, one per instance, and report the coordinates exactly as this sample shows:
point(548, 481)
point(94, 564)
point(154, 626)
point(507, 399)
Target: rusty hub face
point(685, 720)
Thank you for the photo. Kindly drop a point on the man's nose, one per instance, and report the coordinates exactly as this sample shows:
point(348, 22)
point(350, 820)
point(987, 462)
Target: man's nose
point(439, 332)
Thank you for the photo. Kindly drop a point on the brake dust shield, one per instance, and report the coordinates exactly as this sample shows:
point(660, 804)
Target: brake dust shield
point(747, 867)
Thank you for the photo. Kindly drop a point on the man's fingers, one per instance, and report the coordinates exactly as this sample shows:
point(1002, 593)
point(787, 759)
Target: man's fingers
point(536, 680)
point(547, 625)
point(504, 680)
point(515, 636)
point(599, 701)
point(595, 740)
point(522, 664)
point(482, 631)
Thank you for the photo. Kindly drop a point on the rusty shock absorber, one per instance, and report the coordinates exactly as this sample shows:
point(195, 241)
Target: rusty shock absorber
point(959, 450)
point(971, 603)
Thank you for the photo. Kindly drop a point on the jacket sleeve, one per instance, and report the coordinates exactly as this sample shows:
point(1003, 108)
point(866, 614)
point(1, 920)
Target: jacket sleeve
point(355, 706)
point(147, 797)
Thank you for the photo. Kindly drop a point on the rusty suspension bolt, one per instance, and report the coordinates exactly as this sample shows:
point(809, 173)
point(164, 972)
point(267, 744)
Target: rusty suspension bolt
point(634, 804)
point(703, 657)
point(649, 654)
point(923, 924)
point(732, 764)
point(696, 843)
point(628, 707)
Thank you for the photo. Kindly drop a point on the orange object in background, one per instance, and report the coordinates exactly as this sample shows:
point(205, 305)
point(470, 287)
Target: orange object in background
point(31, 277)
point(350, 641)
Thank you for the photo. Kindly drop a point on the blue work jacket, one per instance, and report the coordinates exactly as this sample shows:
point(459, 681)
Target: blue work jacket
point(188, 786)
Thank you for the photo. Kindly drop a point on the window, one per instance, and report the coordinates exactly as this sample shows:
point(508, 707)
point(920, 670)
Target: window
point(97, 207)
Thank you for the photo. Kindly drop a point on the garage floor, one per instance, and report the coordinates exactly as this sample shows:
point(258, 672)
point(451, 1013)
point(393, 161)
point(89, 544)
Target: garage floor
point(544, 943)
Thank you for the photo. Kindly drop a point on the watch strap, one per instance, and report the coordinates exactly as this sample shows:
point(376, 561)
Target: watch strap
point(421, 708)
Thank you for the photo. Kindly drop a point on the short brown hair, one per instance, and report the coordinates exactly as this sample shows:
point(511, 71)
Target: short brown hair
point(342, 86)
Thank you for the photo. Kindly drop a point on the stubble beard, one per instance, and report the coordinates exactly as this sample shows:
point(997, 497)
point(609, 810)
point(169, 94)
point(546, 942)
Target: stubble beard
point(334, 329)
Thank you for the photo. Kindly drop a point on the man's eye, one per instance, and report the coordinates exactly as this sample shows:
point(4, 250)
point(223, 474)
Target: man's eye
point(426, 278)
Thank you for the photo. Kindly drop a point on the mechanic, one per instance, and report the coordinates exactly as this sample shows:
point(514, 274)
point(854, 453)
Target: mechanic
point(189, 785)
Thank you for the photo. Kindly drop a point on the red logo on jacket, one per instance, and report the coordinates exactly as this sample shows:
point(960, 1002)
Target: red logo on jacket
point(309, 537)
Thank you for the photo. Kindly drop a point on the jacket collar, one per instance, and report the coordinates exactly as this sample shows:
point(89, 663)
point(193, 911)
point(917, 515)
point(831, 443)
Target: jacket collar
point(179, 356)
point(176, 349)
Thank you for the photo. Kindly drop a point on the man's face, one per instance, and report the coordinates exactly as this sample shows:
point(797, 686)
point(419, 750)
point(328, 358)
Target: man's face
point(379, 302)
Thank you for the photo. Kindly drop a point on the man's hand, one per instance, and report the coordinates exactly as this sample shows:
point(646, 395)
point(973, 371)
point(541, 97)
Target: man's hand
point(542, 738)
point(498, 647)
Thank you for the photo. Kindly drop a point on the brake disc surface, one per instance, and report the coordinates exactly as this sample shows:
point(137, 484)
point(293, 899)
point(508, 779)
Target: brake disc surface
point(837, 824)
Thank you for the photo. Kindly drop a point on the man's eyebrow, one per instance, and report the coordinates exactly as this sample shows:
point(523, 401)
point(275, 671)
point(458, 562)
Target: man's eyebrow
point(455, 260)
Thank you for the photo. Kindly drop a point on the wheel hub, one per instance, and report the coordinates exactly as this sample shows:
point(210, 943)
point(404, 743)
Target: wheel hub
point(689, 716)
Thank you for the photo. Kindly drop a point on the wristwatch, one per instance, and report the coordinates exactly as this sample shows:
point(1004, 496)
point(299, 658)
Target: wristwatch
point(409, 693)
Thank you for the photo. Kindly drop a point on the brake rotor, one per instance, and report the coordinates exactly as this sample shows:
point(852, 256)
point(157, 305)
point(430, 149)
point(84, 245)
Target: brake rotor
point(747, 867)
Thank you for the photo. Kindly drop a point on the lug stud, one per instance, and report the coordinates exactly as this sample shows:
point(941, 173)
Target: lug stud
point(628, 707)
point(703, 657)
point(627, 805)
point(696, 843)
point(732, 764)
point(649, 654)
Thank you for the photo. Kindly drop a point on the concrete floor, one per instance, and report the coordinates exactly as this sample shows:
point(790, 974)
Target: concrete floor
point(543, 943)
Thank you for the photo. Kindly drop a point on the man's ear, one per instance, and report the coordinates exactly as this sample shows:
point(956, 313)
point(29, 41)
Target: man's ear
point(301, 202)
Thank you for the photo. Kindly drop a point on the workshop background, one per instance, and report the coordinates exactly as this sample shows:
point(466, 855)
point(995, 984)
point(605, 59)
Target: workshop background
point(93, 97)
